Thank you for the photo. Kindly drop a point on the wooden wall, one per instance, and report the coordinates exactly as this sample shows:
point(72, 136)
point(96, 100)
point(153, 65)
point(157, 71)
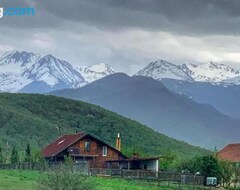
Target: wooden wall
point(96, 148)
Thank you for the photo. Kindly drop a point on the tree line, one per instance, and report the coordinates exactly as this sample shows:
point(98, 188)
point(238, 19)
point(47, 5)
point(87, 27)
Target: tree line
point(30, 155)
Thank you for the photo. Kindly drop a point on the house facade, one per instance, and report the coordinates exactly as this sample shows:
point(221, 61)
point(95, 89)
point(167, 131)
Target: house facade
point(86, 147)
point(82, 146)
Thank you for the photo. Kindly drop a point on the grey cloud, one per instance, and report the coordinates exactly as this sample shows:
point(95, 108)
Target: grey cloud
point(177, 16)
point(186, 17)
point(126, 33)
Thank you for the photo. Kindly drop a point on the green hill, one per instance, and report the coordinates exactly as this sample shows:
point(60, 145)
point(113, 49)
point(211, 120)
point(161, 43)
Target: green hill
point(40, 119)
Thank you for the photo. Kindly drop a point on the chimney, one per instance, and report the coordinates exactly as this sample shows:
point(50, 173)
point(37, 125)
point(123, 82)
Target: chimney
point(118, 142)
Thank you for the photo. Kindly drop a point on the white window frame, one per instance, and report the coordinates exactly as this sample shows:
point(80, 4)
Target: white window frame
point(104, 150)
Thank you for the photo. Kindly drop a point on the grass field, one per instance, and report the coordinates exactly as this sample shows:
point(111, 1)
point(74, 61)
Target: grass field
point(18, 180)
point(27, 180)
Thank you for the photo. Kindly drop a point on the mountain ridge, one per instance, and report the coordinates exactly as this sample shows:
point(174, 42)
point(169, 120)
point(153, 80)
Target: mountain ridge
point(27, 72)
point(224, 98)
point(150, 102)
point(210, 72)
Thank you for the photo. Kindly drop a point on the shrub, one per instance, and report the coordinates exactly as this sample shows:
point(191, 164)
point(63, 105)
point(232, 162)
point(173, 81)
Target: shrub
point(209, 166)
point(65, 178)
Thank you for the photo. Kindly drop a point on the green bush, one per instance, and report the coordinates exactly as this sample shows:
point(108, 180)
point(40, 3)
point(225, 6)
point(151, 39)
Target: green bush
point(65, 178)
point(209, 166)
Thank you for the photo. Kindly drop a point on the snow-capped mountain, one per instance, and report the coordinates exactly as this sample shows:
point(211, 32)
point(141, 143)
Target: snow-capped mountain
point(32, 73)
point(52, 71)
point(12, 82)
point(12, 65)
point(206, 72)
point(210, 72)
point(164, 69)
point(17, 62)
point(95, 72)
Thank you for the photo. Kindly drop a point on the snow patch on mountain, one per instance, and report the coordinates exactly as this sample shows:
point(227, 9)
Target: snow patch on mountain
point(235, 80)
point(207, 72)
point(52, 70)
point(17, 62)
point(163, 69)
point(12, 65)
point(95, 72)
point(11, 82)
point(210, 72)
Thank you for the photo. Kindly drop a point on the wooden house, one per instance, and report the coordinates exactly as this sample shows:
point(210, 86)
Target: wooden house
point(83, 146)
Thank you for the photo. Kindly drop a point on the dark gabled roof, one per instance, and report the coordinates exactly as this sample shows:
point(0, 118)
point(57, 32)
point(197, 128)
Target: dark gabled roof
point(65, 142)
point(230, 153)
point(61, 144)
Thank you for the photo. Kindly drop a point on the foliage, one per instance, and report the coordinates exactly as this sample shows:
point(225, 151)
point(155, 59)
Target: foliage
point(28, 156)
point(169, 162)
point(40, 119)
point(227, 171)
point(14, 156)
point(129, 151)
point(209, 166)
point(64, 178)
point(1, 156)
point(236, 176)
point(37, 156)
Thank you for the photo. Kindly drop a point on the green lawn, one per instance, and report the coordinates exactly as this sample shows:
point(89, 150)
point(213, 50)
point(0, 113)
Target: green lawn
point(18, 180)
point(120, 184)
point(27, 180)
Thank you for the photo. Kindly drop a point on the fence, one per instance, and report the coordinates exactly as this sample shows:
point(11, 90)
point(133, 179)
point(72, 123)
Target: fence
point(83, 167)
point(185, 179)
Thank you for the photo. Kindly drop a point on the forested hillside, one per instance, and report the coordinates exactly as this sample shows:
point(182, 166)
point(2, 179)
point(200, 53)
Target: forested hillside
point(39, 119)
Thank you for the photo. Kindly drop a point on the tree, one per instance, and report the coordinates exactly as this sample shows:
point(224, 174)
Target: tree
point(227, 172)
point(14, 156)
point(169, 161)
point(193, 165)
point(130, 151)
point(37, 155)
point(208, 166)
point(28, 156)
point(1, 156)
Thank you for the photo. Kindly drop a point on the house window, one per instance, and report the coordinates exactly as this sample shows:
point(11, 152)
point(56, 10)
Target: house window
point(104, 151)
point(87, 146)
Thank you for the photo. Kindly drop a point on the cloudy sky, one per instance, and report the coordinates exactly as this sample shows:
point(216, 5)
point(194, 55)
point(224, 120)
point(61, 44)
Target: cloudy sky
point(126, 34)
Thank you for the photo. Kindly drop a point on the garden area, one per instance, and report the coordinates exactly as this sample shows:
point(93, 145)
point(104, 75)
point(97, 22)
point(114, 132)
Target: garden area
point(31, 180)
